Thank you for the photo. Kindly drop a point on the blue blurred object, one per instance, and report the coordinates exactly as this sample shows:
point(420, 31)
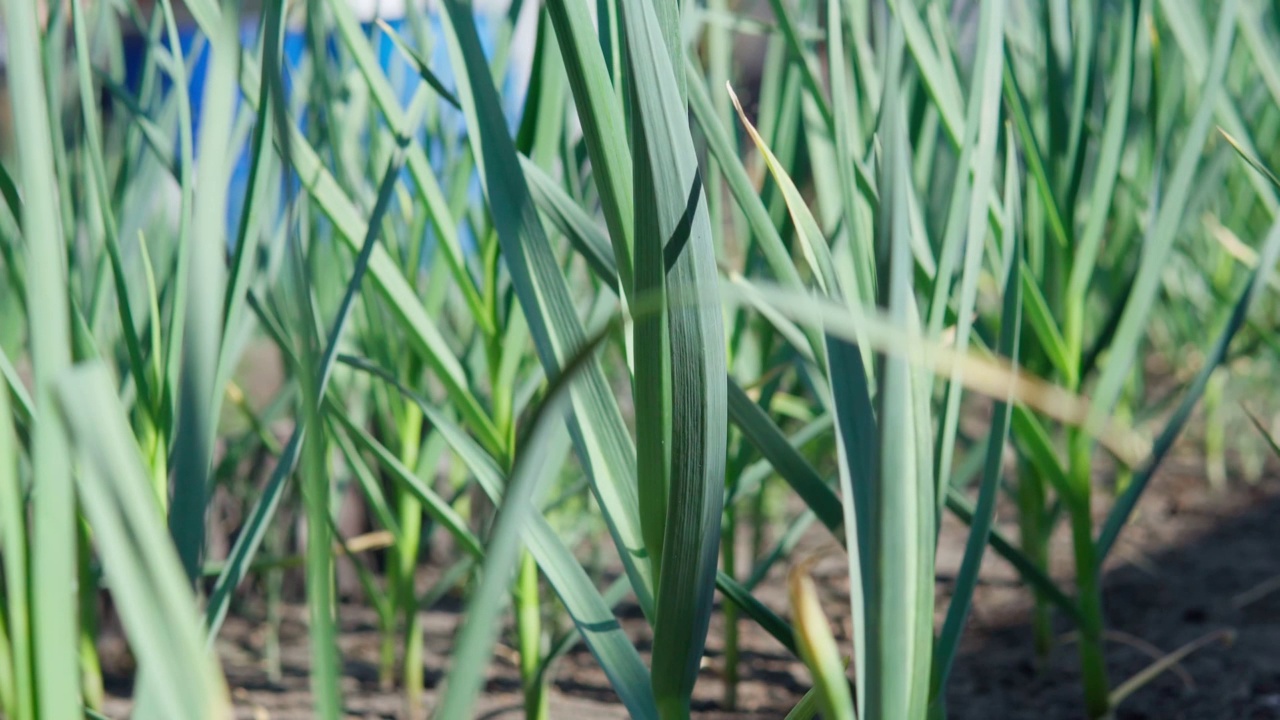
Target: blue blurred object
point(399, 71)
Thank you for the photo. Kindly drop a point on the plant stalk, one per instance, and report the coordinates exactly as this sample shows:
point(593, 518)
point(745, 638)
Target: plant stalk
point(728, 555)
point(1093, 665)
point(529, 632)
point(1031, 523)
point(406, 560)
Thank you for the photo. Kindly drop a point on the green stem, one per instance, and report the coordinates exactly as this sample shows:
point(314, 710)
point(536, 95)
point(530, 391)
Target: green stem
point(90, 666)
point(1031, 521)
point(275, 600)
point(155, 447)
point(387, 649)
point(729, 561)
point(529, 631)
point(411, 525)
point(1093, 665)
point(1215, 435)
point(406, 561)
point(673, 707)
point(759, 519)
point(1123, 414)
point(320, 590)
point(8, 683)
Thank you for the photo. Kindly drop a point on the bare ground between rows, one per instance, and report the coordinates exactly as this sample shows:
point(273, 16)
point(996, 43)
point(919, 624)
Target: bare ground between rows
point(1183, 569)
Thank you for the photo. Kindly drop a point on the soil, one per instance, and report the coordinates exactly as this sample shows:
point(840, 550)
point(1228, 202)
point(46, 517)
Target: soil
point(1193, 563)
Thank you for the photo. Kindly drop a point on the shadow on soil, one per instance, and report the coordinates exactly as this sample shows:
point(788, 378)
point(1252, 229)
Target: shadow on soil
point(1191, 564)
